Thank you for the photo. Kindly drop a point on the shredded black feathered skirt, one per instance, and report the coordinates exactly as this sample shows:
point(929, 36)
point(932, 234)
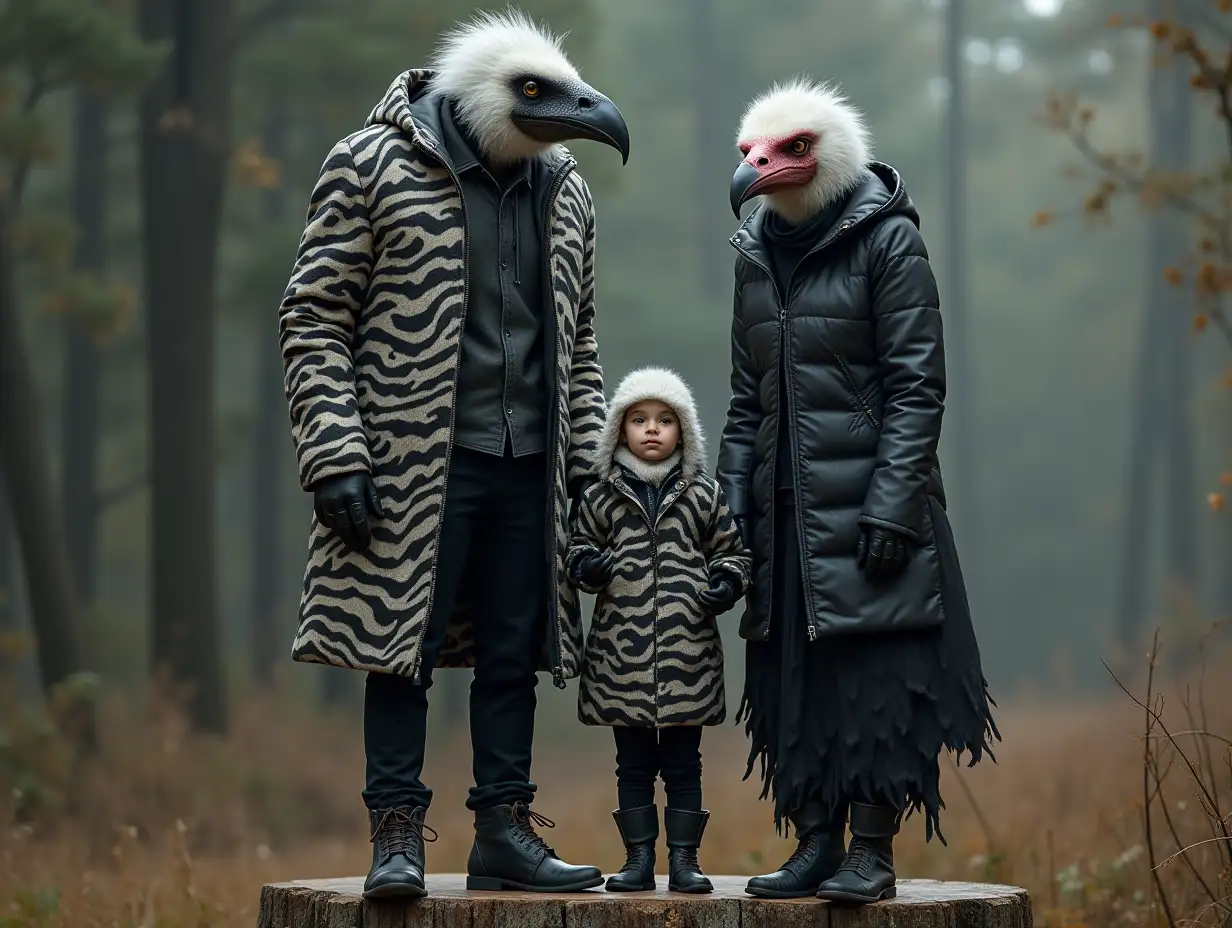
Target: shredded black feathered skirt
point(863, 717)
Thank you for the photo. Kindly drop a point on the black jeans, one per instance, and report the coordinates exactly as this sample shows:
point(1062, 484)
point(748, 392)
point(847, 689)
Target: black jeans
point(494, 538)
point(642, 754)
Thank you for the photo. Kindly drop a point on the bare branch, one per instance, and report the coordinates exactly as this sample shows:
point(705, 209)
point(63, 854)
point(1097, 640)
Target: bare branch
point(1171, 857)
point(1154, 717)
point(1146, 780)
point(1197, 732)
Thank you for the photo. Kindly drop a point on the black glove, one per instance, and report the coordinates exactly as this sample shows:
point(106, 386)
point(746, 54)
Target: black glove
point(881, 553)
point(592, 568)
point(722, 594)
point(342, 503)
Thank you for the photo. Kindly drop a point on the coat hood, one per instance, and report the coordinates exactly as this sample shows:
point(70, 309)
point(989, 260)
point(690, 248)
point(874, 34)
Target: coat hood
point(412, 104)
point(655, 383)
point(881, 195)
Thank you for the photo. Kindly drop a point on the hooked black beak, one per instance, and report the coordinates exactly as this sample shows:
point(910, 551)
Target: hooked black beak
point(742, 185)
point(574, 111)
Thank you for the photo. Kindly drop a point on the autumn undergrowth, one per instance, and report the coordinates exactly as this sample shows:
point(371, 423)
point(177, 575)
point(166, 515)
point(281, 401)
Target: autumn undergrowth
point(161, 827)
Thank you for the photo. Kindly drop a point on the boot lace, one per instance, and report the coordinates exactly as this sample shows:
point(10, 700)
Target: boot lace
point(686, 858)
point(637, 857)
point(524, 820)
point(804, 853)
point(860, 859)
point(402, 832)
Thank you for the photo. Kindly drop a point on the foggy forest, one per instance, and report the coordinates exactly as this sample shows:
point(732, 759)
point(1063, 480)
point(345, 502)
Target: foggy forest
point(162, 756)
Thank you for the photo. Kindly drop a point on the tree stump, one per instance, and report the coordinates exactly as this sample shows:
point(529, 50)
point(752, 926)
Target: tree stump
point(919, 904)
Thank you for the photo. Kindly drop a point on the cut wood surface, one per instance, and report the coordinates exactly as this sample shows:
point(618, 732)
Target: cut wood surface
point(919, 904)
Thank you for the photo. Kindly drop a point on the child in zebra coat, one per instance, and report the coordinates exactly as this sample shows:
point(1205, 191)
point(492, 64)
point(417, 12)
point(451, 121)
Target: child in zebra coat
point(654, 540)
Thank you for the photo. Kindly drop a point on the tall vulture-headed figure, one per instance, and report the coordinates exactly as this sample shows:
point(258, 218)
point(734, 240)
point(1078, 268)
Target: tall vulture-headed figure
point(446, 399)
point(862, 664)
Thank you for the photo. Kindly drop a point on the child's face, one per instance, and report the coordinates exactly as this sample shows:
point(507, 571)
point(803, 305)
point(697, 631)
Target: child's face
point(651, 430)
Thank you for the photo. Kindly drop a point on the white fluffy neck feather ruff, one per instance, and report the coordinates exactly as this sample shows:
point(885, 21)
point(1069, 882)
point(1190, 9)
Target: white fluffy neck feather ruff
point(476, 63)
point(843, 147)
point(653, 383)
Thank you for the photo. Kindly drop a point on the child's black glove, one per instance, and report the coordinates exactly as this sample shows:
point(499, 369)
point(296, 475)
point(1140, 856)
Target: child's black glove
point(722, 594)
point(591, 569)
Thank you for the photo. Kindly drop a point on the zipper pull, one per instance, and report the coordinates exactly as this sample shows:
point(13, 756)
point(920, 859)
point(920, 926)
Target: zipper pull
point(812, 633)
point(558, 677)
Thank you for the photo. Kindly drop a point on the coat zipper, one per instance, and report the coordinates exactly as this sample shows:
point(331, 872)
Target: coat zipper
point(793, 434)
point(785, 348)
point(466, 246)
point(558, 670)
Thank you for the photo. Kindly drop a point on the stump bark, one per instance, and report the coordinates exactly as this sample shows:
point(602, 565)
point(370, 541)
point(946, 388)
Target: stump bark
point(919, 904)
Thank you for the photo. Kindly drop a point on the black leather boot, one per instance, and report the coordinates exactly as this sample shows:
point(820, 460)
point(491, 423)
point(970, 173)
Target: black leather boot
point(639, 830)
point(867, 873)
point(684, 837)
point(397, 853)
point(508, 854)
point(816, 858)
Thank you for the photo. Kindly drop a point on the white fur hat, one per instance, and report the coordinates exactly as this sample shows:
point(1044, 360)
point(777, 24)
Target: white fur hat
point(655, 383)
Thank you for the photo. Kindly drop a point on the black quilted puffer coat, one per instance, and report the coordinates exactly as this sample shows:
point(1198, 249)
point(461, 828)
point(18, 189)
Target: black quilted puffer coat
point(859, 337)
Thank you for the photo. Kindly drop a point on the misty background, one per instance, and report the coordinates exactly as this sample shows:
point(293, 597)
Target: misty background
point(1085, 426)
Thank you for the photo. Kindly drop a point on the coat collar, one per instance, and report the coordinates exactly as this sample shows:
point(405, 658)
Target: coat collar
point(881, 193)
point(411, 104)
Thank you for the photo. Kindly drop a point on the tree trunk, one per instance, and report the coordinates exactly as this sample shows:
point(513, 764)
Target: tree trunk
point(1169, 236)
point(1132, 602)
point(269, 446)
point(9, 623)
point(713, 173)
point(82, 362)
point(961, 391)
point(26, 466)
point(185, 123)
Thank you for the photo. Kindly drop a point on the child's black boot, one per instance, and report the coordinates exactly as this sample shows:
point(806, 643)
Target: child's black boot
point(684, 837)
point(639, 830)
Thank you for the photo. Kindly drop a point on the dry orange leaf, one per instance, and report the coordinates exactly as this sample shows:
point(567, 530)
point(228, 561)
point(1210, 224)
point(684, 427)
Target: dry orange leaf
point(1200, 321)
point(1161, 29)
point(1172, 274)
point(1225, 479)
point(1216, 501)
point(1116, 20)
point(1042, 218)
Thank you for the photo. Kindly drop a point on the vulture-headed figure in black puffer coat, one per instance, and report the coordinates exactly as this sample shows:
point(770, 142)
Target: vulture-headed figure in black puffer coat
point(862, 663)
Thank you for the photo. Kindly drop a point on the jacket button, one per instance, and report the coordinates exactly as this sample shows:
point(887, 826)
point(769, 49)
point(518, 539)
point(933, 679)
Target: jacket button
point(680, 485)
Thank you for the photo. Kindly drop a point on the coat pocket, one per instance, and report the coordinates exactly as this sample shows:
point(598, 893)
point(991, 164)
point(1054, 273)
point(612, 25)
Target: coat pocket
point(862, 403)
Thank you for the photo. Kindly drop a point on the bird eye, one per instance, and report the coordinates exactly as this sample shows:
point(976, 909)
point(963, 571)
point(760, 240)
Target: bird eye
point(531, 89)
point(799, 146)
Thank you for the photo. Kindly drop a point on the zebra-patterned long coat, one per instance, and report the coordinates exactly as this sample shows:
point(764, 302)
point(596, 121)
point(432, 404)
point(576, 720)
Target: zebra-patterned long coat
point(653, 654)
point(371, 327)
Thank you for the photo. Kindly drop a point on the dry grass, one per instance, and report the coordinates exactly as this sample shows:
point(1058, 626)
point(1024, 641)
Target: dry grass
point(169, 830)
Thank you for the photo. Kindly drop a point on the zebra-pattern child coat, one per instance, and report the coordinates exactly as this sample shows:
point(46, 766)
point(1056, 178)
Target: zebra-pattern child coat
point(371, 327)
point(653, 657)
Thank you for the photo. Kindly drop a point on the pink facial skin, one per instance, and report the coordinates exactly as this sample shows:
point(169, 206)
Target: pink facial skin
point(777, 165)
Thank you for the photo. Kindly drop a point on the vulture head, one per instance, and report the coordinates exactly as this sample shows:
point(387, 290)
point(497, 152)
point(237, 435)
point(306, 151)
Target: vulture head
point(517, 93)
point(804, 146)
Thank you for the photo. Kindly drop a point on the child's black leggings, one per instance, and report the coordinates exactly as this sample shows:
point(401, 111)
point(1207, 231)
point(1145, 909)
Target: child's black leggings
point(642, 754)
